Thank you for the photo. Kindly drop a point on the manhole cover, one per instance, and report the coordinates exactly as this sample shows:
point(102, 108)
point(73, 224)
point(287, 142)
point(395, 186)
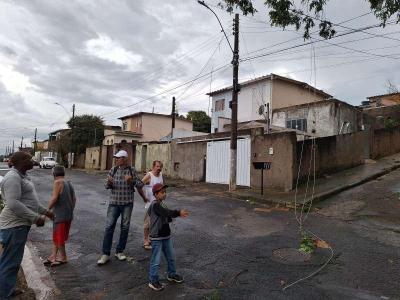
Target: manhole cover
point(290, 256)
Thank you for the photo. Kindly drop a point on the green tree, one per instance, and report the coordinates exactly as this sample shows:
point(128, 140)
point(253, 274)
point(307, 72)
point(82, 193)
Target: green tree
point(86, 131)
point(201, 121)
point(284, 13)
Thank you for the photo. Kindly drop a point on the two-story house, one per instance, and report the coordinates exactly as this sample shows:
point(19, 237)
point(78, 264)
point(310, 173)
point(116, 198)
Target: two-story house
point(259, 96)
point(137, 128)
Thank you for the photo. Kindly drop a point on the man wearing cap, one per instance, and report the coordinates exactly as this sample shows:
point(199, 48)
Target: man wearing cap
point(122, 180)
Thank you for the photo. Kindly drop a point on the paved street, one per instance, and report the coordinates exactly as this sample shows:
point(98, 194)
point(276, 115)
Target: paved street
point(225, 249)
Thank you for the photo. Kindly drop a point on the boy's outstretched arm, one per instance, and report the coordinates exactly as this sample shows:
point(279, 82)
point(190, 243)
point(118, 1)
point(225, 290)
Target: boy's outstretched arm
point(165, 212)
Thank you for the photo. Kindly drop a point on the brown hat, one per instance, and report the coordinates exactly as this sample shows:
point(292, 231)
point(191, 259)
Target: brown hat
point(158, 187)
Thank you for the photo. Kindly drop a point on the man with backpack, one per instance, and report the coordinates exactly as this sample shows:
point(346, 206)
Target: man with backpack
point(122, 180)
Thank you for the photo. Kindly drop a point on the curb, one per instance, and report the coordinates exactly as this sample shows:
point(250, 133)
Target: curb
point(321, 196)
point(37, 277)
point(324, 195)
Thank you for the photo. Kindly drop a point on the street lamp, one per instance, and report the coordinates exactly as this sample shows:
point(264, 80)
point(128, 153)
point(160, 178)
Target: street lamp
point(66, 110)
point(222, 28)
point(235, 91)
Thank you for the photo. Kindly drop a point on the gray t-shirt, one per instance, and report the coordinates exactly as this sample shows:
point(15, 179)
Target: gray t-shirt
point(21, 201)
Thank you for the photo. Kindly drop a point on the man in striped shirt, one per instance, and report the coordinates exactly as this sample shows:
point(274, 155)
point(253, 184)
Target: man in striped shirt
point(122, 180)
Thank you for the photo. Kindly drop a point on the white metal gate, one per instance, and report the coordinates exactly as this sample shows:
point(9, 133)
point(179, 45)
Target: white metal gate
point(218, 162)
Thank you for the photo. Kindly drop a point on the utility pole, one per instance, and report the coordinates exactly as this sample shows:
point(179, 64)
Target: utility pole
point(12, 148)
point(234, 104)
point(268, 120)
point(173, 116)
point(72, 136)
point(35, 142)
point(22, 140)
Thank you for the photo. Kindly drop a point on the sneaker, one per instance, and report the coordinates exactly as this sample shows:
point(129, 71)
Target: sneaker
point(175, 278)
point(103, 260)
point(120, 256)
point(157, 286)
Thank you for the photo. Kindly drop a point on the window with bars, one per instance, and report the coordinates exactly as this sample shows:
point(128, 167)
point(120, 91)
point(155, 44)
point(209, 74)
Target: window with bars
point(298, 124)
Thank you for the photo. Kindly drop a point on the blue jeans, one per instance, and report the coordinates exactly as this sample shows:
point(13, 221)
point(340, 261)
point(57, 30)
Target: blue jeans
point(13, 240)
point(166, 247)
point(113, 213)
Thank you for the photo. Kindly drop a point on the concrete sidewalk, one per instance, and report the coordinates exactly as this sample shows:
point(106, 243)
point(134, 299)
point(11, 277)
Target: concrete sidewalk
point(325, 187)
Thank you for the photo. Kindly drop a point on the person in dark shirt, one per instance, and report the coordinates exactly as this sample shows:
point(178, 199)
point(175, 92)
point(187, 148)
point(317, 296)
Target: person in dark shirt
point(160, 236)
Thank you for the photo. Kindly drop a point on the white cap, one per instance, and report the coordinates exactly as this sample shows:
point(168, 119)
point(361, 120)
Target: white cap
point(121, 153)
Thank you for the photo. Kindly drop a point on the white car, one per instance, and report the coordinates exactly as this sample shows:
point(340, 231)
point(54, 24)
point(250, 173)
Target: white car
point(47, 162)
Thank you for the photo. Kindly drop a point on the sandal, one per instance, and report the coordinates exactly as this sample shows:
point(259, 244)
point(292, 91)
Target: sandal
point(47, 262)
point(147, 246)
point(57, 263)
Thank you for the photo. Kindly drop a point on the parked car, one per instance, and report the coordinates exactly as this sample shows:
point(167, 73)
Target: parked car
point(47, 162)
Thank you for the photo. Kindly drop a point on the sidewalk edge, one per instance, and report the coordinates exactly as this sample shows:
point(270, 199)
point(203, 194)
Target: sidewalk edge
point(37, 277)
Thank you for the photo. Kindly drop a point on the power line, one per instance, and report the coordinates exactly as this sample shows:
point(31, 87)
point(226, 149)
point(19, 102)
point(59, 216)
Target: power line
point(201, 71)
point(309, 43)
point(349, 28)
point(168, 90)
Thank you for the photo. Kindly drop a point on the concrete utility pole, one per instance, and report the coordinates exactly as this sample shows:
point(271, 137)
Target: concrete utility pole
point(234, 104)
point(35, 142)
point(235, 91)
point(12, 148)
point(72, 136)
point(22, 141)
point(173, 115)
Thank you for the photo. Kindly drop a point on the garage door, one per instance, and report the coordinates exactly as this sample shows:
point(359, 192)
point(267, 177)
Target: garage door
point(218, 162)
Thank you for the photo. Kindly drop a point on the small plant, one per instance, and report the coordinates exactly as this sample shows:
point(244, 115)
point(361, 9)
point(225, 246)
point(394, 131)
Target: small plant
point(215, 295)
point(307, 244)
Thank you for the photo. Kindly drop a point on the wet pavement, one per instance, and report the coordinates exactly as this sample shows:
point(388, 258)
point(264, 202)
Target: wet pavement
point(225, 249)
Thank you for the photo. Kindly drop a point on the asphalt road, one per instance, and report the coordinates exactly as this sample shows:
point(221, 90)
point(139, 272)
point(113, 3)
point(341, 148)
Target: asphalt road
point(225, 248)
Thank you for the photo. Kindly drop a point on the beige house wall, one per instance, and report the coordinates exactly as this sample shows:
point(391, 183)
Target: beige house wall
point(286, 94)
point(154, 152)
point(93, 158)
point(155, 127)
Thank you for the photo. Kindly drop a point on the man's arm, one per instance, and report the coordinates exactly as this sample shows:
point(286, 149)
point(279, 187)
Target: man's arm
point(141, 193)
point(12, 195)
point(146, 179)
point(57, 186)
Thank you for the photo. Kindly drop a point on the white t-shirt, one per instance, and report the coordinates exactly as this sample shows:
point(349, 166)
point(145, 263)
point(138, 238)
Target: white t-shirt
point(148, 188)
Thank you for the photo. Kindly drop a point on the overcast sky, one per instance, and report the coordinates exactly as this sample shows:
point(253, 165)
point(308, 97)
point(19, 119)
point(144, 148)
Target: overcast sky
point(113, 58)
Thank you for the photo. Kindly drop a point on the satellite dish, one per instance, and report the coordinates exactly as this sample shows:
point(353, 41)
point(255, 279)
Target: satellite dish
point(261, 110)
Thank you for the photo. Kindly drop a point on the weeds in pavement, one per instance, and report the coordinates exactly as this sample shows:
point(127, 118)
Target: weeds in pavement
point(307, 244)
point(215, 295)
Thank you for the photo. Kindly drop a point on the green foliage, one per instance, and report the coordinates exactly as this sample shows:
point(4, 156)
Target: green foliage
point(87, 131)
point(215, 295)
point(201, 121)
point(307, 244)
point(390, 123)
point(283, 13)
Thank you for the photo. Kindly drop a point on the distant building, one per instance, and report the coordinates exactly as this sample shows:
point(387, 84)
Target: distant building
point(322, 118)
point(382, 100)
point(152, 126)
point(260, 95)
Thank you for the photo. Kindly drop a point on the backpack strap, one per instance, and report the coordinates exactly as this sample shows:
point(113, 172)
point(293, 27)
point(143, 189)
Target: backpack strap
point(130, 170)
point(115, 169)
